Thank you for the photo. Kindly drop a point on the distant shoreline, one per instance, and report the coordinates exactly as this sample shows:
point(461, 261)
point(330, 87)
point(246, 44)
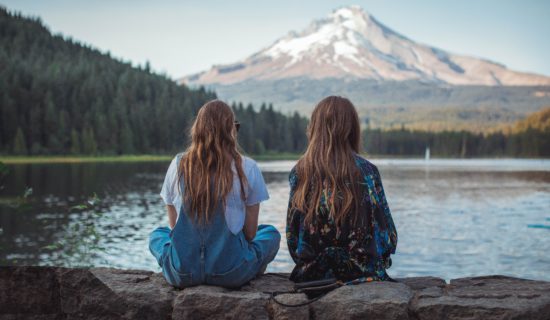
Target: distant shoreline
point(165, 158)
point(82, 159)
point(121, 158)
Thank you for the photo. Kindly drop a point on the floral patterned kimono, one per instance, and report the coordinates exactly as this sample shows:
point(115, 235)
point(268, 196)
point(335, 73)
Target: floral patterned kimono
point(324, 250)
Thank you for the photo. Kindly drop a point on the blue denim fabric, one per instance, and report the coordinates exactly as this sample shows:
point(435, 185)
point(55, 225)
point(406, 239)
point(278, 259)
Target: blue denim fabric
point(193, 254)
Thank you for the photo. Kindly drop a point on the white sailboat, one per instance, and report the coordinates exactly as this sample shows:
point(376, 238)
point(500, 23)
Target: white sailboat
point(427, 154)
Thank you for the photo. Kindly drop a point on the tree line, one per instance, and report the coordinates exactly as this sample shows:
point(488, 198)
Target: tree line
point(459, 144)
point(270, 131)
point(58, 96)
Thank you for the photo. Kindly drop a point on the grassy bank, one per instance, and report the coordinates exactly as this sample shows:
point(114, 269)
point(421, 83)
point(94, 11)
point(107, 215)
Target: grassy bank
point(275, 156)
point(122, 158)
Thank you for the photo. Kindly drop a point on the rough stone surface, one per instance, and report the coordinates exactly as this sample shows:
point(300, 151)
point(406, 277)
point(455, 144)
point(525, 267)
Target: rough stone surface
point(104, 293)
point(418, 283)
point(374, 300)
point(146, 293)
point(487, 297)
point(29, 290)
point(207, 302)
point(281, 312)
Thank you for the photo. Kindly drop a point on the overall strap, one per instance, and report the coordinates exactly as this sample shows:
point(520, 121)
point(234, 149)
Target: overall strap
point(178, 160)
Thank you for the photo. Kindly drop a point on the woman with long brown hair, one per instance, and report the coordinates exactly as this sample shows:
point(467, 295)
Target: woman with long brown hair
point(338, 221)
point(212, 195)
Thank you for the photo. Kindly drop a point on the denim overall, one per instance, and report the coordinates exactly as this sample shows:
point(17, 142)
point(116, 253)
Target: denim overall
point(193, 253)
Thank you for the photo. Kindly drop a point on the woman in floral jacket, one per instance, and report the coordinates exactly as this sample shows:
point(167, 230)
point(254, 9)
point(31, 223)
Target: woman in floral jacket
point(339, 224)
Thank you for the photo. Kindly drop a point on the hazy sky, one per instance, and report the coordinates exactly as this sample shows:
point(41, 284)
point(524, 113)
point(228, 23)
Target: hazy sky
point(183, 37)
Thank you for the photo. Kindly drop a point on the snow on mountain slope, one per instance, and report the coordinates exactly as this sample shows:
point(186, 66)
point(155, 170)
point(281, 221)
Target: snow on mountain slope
point(350, 43)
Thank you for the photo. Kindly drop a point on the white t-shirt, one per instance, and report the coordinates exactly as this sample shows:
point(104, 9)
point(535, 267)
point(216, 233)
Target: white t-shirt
point(235, 208)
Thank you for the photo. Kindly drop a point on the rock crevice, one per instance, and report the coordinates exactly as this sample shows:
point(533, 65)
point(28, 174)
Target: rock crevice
point(104, 293)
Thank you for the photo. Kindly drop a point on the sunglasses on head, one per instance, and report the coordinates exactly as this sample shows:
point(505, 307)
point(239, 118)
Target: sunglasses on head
point(237, 125)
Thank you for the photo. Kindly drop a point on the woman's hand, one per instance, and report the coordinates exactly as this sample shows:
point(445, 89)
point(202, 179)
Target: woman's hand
point(251, 222)
point(172, 215)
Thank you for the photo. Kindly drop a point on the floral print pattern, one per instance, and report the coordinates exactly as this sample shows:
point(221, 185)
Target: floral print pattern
point(324, 250)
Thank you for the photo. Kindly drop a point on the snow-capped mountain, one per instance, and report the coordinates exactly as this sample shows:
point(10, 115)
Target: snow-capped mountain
point(352, 44)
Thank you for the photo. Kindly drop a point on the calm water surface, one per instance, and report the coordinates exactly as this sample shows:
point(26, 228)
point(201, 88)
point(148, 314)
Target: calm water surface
point(454, 218)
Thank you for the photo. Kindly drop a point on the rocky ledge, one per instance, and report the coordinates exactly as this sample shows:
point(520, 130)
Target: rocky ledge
point(103, 293)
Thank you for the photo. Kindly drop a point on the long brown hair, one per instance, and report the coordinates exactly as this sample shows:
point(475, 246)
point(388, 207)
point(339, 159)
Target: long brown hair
point(206, 165)
point(328, 165)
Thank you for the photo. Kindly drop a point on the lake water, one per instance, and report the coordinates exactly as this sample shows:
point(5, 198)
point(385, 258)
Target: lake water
point(454, 218)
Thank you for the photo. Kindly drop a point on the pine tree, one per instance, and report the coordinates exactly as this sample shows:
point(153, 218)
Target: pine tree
point(19, 144)
point(75, 142)
point(50, 116)
point(126, 140)
point(259, 147)
point(89, 145)
point(62, 131)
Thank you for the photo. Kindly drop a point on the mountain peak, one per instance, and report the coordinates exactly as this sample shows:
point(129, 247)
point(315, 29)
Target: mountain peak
point(352, 18)
point(349, 13)
point(350, 43)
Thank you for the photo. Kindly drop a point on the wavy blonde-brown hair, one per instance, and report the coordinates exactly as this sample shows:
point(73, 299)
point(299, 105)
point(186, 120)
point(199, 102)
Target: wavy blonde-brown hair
point(328, 166)
point(206, 165)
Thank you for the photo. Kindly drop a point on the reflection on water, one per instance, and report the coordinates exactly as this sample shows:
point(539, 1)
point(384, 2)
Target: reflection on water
point(454, 218)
